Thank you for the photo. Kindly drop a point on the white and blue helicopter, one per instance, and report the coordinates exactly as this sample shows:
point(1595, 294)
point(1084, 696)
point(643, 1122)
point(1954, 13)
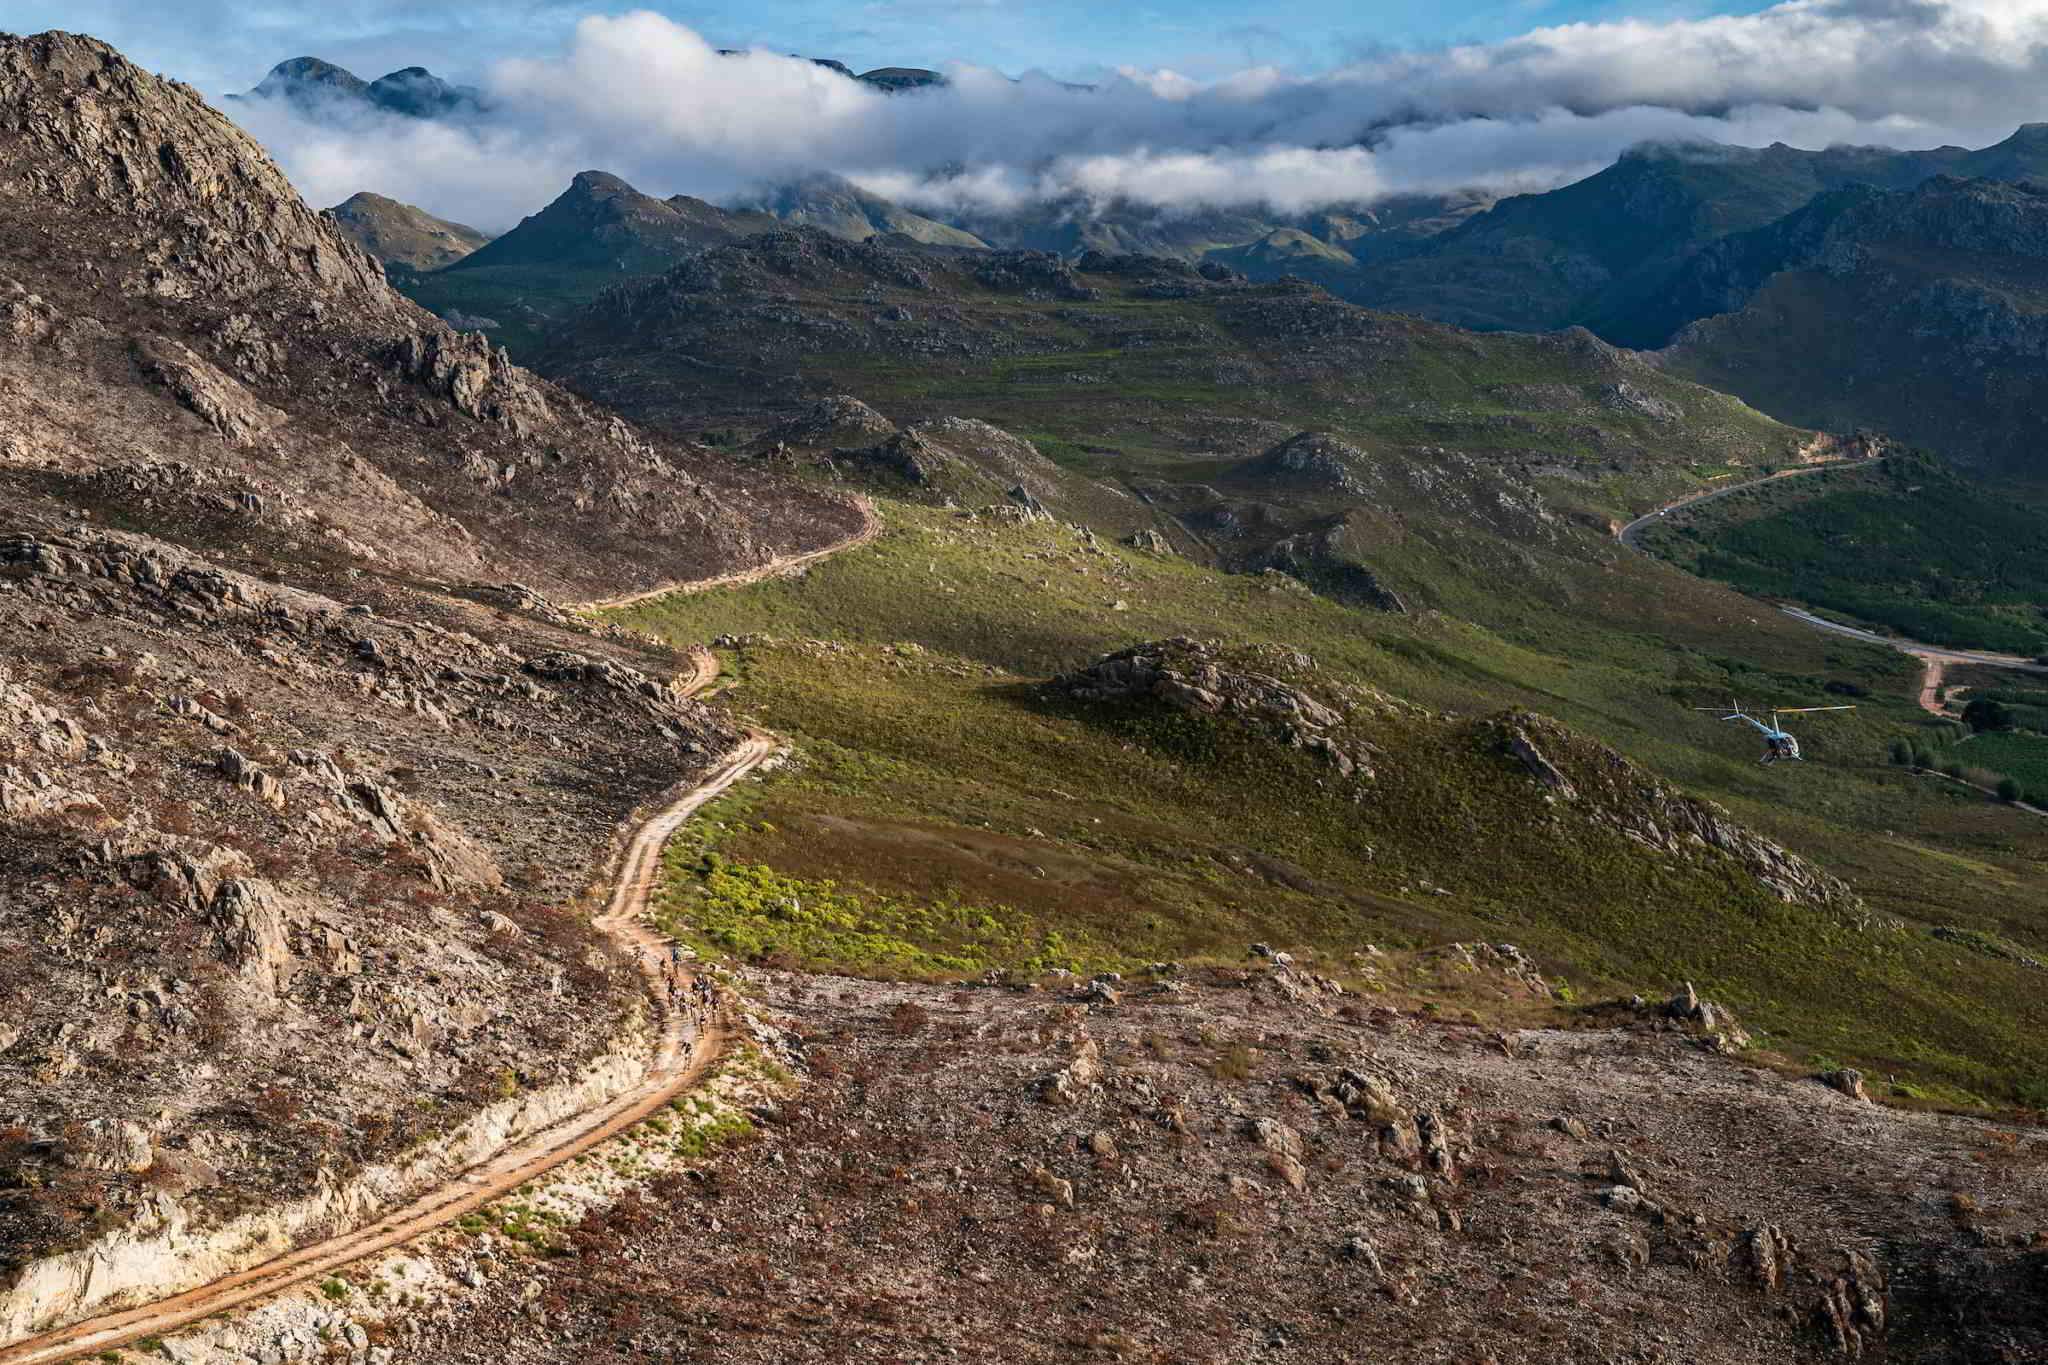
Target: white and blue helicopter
point(1780, 746)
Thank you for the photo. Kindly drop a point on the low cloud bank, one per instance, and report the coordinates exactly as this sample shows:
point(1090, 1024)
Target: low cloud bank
point(650, 100)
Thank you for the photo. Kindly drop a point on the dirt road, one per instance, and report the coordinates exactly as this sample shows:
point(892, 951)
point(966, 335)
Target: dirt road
point(1915, 647)
point(871, 526)
point(1934, 659)
point(1932, 670)
point(687, 1050)
point(703, 672)
point(1627, 533)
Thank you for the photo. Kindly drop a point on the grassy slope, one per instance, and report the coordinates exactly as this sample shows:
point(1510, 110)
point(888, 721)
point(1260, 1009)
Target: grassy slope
point(936, 774)
point(1128, 378)
point(2020, 755)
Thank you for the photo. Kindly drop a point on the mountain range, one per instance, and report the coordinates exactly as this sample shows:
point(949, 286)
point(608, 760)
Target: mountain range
point(1639, 253)
point(324, 89)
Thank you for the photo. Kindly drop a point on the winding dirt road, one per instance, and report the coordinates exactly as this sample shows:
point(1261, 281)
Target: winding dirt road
point(687, 1050)
point(1627, 533)
point(1917, 649)
point(685, 1053)
point(1932, 670)
point(871, 526)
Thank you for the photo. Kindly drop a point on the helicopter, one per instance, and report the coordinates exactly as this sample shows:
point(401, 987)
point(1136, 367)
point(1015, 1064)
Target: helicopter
point(1780, 746)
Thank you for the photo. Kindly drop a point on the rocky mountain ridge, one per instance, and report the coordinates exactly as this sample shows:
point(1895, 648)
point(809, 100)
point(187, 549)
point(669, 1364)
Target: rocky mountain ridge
point(181, 288)
point(601, 229)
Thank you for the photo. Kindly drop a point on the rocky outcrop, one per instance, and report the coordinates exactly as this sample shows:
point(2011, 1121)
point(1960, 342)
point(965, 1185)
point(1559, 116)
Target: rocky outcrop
point(1205, 679)
point(224, 403)
point(1612, 791)
point(1715, 1023)
point(477, 377)
point(836, 422)
point(1314, 460)
point(1320, 559)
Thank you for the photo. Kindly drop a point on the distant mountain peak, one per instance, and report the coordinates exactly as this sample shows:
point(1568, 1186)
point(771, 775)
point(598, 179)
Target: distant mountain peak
point(299, 74)
point(601, 222)
point(900, 78)
point(413, 90)
point(401, 235)
point(602, 184)
point(836, 205)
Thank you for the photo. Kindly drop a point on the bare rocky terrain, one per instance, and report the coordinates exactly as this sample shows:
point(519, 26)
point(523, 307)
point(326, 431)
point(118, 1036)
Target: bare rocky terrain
point(1234, 1165)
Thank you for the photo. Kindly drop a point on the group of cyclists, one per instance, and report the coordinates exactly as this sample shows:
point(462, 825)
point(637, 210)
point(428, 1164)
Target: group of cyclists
point(702, 995)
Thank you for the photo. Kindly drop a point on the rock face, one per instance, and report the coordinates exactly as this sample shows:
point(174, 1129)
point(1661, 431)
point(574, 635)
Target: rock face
point(401, 235)
point(173, 294)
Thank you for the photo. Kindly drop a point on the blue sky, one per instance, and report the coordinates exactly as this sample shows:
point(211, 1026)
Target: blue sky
point(223, 45)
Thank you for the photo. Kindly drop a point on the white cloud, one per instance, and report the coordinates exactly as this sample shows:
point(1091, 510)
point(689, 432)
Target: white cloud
point(650, 100)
